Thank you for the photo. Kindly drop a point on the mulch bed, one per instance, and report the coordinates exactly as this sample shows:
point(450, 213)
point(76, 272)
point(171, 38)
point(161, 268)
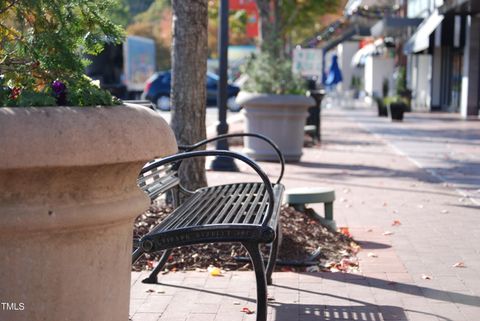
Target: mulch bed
point(307, 245)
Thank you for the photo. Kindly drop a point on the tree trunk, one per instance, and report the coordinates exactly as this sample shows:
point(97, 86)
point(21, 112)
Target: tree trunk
point(268, 23)
point(188, 96)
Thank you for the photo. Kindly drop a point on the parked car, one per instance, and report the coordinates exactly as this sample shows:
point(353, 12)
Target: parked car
point(157, 90)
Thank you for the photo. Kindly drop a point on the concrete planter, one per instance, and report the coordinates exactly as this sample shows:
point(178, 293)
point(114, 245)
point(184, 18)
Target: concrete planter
point(68, 197)
point(279, 117)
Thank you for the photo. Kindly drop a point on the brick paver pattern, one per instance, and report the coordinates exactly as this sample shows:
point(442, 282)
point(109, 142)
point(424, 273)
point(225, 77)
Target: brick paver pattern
point(423, 172)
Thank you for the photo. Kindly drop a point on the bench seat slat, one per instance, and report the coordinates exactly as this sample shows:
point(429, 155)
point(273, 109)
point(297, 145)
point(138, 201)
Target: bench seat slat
point(202, 204)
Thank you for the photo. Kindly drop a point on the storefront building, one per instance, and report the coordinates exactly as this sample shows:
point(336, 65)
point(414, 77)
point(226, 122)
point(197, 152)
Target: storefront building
point(444, 56)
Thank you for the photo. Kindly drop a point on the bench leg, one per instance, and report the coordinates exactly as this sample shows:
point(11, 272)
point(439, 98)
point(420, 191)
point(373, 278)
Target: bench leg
point(258, 265)
point(136, 254)
point(329, 211)
point(153, 277)
point(272, 259)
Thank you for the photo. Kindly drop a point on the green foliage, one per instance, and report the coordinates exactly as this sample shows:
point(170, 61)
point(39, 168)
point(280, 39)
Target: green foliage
point(292, 20)
point(42, 41)
point(385, 87)
point(396, 99)
point(272, 76)
point(154, 11)
point(401, 83)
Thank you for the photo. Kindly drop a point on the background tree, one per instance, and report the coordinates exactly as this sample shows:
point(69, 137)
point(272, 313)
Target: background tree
point(283, 22)
point(189, 67)
point(156, 23)
point(237, 22)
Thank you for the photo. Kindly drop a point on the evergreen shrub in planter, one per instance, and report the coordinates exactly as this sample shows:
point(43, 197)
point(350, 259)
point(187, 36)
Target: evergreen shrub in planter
point(275, 105)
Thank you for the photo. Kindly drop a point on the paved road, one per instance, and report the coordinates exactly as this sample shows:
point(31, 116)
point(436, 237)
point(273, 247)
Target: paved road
point(443, 144)
point(211, 116)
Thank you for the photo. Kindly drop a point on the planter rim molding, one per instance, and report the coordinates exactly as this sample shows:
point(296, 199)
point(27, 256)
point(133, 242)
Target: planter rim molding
point(32, 137)
point(273, 100)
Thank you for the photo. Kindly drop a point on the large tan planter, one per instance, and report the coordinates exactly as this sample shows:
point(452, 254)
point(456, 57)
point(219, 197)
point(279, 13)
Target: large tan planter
point(68, 197)
point(279, 117)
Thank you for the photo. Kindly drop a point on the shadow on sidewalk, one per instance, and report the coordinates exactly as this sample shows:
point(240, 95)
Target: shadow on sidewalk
point(358, 170)
point(430, 293)
point(358, 310)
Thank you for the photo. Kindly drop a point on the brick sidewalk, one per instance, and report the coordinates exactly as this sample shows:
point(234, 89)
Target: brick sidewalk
point(412, 276)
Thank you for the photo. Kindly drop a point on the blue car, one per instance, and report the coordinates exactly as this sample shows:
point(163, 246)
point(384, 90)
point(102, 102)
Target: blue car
point(157, 90)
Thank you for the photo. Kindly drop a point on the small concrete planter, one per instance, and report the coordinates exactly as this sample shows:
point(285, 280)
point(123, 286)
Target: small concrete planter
point(68, 197)
point(279, 117)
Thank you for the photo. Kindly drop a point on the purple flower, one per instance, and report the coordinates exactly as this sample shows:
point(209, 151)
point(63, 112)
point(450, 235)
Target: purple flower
point(58, 87)
point(60, 92)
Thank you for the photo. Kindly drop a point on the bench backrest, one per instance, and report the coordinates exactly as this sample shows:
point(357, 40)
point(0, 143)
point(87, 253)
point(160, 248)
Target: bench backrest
point(158, 181)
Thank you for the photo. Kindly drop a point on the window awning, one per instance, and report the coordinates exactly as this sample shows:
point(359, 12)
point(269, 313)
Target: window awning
point(372, 49)
point(353, 5)
point(420, 39)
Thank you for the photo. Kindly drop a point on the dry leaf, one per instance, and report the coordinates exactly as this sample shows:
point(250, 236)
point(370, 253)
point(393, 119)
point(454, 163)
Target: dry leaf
point(426, 277)
point(459, 265)
point(247, 311)
point(150, 291)
point(344, 230)
point(396, 223)
point(214, 271)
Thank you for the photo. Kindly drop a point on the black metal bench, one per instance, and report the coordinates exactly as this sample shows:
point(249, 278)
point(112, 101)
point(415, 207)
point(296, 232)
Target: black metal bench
point(241, 212)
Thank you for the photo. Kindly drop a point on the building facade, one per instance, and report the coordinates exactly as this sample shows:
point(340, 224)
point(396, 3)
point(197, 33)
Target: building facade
point(444, 56)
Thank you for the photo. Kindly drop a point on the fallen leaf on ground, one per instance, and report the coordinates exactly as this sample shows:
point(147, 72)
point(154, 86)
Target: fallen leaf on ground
point(459, 265)
point(371, 254)
point(345, 231)
point(355, 247)
point(150, 291)
point(214, 271)
point(387, 233)
point(426, 277)
point(150, 264)
point(247, 311)
point(396, 223)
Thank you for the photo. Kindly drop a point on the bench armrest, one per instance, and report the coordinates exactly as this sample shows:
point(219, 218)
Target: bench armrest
point(188, 148)
point(181, 156)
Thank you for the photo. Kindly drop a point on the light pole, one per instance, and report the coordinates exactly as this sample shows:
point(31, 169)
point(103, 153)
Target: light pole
point(223, 163)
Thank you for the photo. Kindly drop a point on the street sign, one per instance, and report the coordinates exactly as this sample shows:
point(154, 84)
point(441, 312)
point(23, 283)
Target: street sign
point(307, 62)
